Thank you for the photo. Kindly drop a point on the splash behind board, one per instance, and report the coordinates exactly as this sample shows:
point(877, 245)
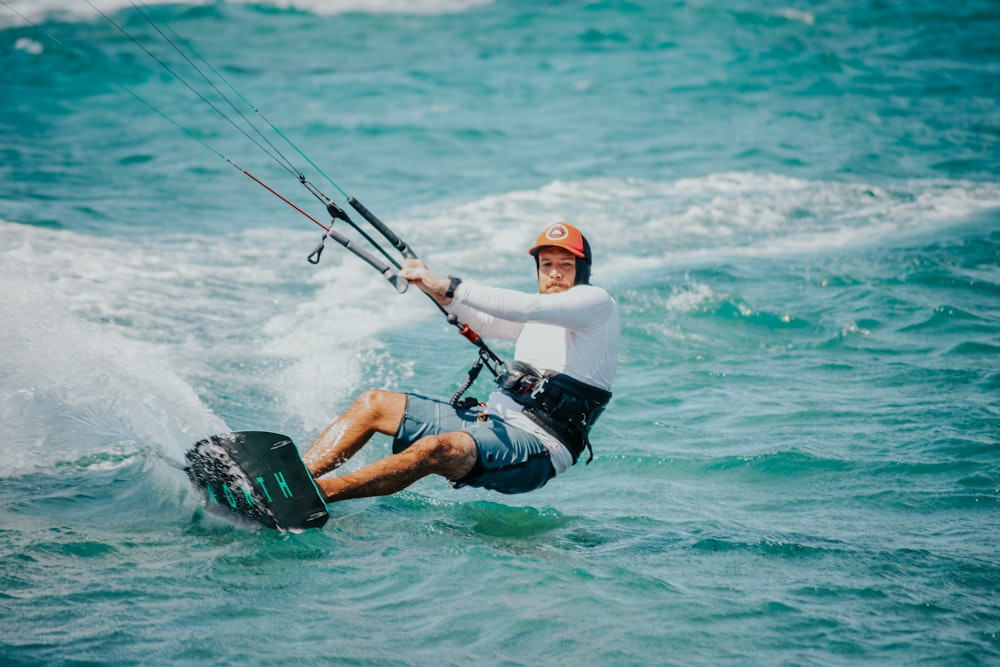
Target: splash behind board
point(256, 477)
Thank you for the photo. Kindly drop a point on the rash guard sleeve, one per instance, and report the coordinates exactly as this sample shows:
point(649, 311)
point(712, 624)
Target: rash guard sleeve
point(578, 308)
point(573, 332)
point(484, 324)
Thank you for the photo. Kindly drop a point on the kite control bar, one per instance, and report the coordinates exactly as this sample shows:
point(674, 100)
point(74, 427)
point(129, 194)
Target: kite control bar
point(390, 271)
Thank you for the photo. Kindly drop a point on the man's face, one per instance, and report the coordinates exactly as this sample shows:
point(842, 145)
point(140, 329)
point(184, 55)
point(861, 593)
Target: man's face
point(556, 270)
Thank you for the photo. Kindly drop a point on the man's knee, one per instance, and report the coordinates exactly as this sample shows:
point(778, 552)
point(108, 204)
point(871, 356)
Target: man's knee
point(383, 409)
point(374, 399)
point(449, 454)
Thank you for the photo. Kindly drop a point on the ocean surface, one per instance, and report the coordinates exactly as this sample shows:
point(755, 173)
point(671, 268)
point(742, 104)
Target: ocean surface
point(796, 206)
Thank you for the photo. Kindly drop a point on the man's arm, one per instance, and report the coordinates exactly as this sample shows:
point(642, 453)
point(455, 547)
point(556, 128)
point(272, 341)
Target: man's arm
point(580, 307)
point(417, 273)
point(436, 286)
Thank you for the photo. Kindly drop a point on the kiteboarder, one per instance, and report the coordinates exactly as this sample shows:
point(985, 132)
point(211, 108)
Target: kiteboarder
point(533, 427)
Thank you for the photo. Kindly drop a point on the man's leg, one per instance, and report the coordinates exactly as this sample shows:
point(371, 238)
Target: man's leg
point(450, 455)
point(373, 411)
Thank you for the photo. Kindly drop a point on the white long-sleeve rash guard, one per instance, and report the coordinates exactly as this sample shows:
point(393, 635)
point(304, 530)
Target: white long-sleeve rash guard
point(573, 332)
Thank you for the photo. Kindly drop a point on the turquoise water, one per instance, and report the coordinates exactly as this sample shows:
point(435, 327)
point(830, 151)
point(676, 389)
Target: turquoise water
point(795, 205)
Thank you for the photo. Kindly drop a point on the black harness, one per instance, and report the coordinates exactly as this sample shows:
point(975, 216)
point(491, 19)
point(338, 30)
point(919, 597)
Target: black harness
point(565, 407)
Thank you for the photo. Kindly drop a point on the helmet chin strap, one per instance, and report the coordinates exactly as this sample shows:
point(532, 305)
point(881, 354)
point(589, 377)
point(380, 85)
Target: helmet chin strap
point(582, 273)
point(583, 264)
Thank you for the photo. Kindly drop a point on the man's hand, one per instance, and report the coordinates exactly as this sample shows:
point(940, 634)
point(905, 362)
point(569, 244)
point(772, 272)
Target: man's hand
point(417, 273)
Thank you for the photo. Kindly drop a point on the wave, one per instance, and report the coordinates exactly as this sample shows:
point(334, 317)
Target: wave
point(72, 10)
point(793, 547)
point(184, 328)
point(223, 326)
point(75, 390)
point(637, 224)
point(783, 463)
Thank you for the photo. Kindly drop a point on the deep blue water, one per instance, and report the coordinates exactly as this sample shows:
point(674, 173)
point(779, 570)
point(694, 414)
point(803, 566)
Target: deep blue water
point(795, 205)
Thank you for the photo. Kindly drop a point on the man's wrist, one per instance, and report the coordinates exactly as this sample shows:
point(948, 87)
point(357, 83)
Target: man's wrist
point(453, 283)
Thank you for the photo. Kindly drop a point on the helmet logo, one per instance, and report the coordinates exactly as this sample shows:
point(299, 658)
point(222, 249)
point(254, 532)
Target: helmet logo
point(557, 232)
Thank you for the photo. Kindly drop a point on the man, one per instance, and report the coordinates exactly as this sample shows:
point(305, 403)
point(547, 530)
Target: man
point(534, 427)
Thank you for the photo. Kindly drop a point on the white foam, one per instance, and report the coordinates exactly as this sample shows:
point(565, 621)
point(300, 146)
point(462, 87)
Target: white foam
point(689, 297)
point(105, 340)
point(793, 14)
point(409, 7)
point(246, 314)
point(641, 224)
point(29, 46)
point(72, 387)
point(328, 340)
point(69, 10)
point(73, 10)
point(110, 341)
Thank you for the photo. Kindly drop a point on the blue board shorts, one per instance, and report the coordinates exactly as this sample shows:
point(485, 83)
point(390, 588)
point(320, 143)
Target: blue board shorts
point(510, 460)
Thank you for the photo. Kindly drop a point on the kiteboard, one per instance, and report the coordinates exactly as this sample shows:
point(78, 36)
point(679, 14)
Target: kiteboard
point(258, 478)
